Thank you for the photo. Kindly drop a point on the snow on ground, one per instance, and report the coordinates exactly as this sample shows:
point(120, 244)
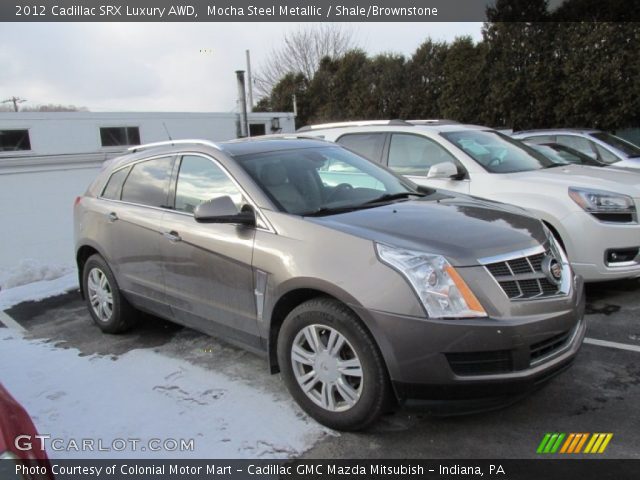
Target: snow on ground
point(144, 395)
point(31, 270)
point(46, 286)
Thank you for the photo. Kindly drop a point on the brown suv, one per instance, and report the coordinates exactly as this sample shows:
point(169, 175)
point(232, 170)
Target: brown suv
point(362, 289)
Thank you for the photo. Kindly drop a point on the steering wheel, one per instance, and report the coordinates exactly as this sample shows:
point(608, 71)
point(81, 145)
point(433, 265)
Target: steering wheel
point(338, 190)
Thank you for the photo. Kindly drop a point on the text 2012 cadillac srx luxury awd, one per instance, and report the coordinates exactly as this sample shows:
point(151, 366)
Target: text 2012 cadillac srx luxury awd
point(361, 289)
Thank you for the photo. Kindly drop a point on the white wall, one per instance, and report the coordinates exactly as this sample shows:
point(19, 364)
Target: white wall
point(53, 133)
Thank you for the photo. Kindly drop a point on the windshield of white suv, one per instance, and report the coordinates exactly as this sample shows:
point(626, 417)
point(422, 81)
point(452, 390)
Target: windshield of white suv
point(498, 153)
point(628, 148)
point(323, 181)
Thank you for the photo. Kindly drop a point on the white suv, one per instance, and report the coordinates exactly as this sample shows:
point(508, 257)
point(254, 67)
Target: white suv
point(592, 211)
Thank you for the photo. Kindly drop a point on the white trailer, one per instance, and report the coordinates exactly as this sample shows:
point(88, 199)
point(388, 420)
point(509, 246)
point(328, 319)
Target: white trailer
point(49, 158)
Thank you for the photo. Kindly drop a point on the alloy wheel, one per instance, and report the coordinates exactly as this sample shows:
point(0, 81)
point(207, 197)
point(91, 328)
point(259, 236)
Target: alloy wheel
point(327, 367)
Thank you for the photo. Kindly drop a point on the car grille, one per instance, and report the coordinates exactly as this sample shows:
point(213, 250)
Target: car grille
point(522, 278)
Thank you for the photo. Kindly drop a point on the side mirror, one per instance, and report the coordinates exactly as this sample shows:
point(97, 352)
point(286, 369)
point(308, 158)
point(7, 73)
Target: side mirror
point(443, 170)
point(223, 210)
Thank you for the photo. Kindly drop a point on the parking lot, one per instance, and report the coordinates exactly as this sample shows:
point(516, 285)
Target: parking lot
point(600, 393)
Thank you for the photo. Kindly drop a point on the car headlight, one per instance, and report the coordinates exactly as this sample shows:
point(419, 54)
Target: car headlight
point(440, 288)
point(604, 205)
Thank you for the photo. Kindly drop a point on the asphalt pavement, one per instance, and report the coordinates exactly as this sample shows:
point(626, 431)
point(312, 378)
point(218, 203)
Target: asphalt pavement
point(599, 393)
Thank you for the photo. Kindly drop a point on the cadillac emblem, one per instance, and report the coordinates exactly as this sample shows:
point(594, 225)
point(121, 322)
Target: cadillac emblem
point(552, 268)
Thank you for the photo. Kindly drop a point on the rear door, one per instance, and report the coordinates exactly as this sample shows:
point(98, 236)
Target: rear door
point(207, 266)
point(370, 145)
point(136, 197)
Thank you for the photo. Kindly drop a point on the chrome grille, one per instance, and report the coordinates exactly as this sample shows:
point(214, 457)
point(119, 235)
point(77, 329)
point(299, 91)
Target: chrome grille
point(523, 278)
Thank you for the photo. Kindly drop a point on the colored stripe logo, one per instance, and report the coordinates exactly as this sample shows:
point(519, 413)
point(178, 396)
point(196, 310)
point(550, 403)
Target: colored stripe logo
point(574, 443)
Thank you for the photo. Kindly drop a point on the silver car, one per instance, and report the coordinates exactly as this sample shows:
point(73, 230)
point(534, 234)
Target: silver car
point(604, 148)
point(363, 290)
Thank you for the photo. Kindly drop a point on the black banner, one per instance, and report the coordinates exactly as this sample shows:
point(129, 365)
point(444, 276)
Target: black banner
point(306, 11)
point(542, 469)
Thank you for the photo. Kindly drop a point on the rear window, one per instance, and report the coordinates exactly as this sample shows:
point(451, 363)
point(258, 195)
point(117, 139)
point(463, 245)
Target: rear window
point(148, 182)
point(369, 145)
point(113, 189)
point(540, 139)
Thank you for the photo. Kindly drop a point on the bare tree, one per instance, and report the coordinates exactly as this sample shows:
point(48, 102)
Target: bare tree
point(301, 51)
point(50, 107)
point(15, 101)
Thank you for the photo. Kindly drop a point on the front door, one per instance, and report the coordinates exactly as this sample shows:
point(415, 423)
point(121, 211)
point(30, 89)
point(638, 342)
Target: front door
point(413, 155)
point(207, 266)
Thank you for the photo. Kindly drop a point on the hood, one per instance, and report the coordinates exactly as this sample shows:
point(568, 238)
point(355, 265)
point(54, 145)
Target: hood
point(600, 178)
point(460, 228)
point(627, 164)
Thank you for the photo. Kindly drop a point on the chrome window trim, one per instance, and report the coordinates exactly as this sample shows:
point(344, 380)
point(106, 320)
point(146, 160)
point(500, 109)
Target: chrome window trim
point(268, 227)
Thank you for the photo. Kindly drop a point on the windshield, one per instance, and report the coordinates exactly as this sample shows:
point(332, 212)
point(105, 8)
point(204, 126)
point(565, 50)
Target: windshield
point(498, 153)
point(628, 148)
point(323, 180)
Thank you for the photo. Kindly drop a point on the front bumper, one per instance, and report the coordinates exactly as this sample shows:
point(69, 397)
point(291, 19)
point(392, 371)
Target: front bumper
point(477, 358)
point(587, 241)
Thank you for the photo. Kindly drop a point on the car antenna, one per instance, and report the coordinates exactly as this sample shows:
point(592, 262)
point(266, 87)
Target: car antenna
point(167, 130)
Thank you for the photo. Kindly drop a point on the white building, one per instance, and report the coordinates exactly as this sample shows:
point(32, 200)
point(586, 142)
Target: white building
point(49, 158)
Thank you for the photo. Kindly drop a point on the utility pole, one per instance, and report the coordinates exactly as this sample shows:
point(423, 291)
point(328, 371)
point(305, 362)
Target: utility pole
point(242, 104)
point(249, 83)
point(15, 101)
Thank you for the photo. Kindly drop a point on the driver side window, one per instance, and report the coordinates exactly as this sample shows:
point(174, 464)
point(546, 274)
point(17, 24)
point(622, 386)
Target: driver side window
point(199, 180)
point(415, 155)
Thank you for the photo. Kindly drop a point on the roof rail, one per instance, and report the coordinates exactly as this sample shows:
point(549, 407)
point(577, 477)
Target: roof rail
point(165, 143)
point(433, 121)
point(356, 123)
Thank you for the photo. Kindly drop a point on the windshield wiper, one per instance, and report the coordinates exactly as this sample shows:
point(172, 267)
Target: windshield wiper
point(388, 197)
point(335, 210)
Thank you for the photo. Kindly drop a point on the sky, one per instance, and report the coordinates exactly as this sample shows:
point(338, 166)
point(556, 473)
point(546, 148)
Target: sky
point(164, 66)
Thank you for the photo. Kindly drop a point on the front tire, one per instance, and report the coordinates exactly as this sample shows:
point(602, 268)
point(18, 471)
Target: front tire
point(332, 366)
point(107, 306)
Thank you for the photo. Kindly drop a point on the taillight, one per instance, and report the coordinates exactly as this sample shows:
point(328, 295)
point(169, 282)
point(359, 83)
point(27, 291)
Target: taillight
point(77, 202)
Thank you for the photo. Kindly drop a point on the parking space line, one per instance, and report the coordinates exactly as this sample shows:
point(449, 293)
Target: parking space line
point(606, 343)
point(10, 322)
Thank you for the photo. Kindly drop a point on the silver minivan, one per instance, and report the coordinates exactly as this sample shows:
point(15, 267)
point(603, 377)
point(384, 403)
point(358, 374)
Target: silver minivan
point(362, 289)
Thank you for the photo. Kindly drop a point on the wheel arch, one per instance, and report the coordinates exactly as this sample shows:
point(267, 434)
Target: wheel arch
point(82, 255)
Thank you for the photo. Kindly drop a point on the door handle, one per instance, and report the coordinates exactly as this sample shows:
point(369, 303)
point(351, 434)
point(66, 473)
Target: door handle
point(172, 236)
point(113, 216)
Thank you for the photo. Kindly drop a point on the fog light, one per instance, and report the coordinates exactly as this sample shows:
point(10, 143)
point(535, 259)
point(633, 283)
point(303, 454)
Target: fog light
point(621, 255)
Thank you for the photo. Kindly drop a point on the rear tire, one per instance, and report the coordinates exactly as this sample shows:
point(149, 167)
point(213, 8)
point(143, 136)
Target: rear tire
point(107, 306)
point(332, 366)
